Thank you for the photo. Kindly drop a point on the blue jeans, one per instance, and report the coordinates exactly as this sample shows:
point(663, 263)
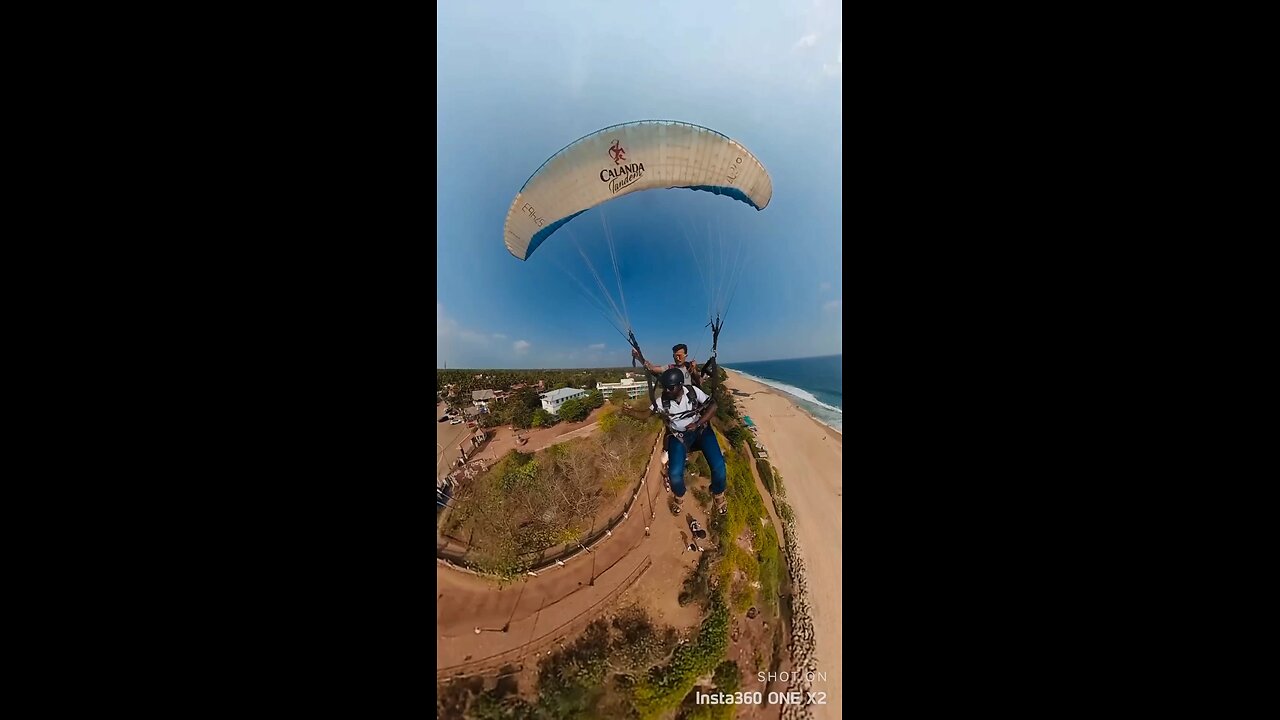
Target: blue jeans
point(706, 442)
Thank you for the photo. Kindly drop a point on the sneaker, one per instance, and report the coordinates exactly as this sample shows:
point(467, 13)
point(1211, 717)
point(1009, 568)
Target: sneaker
point(675, 506)
point(722, 504)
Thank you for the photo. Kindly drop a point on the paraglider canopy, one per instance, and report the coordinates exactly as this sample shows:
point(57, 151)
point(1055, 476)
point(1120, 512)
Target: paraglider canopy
point(627, 158)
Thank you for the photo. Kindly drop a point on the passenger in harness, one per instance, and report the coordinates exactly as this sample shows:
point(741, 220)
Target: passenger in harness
point(692, 376)
point(688, 412)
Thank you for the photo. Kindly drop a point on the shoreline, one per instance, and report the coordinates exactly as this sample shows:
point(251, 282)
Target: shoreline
point(795, 400)
point(808, 455)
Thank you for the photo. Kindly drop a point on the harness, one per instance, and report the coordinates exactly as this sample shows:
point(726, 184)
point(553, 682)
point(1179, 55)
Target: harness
point(696, 408)
point(708, 369)
point(686, 437)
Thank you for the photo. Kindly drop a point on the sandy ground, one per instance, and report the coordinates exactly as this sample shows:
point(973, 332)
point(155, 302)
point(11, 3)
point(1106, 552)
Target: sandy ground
point(502, 439)
point(809, 455)
point(539, 607)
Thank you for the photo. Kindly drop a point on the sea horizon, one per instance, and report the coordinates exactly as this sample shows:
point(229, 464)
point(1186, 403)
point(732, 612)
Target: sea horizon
point(815, 383)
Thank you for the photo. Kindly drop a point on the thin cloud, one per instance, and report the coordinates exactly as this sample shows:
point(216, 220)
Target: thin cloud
point(448, 329)
point(833, 305)
point(499, 336)
point(521, 346)
point(825, 286)
point(597, 346)
point(808, 40)
point(457, 344)
point(837, 68)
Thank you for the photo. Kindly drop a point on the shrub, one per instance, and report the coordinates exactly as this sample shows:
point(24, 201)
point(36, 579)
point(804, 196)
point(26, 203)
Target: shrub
point(697, 585)
point(728, 678)
point(735, 436)
point(702, 495)
point(771, 571)
point(766, 474)
point(609, 418)
point(663, 688)
point(697, 464)
point(575, 409)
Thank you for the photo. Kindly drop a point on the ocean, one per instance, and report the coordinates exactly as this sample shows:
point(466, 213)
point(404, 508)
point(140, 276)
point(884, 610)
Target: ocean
point(815, 383)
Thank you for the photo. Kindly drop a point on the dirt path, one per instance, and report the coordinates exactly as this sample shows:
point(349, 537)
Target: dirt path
point(532, 609)
point(566, 437)
point(502, 439)
point(767, 497)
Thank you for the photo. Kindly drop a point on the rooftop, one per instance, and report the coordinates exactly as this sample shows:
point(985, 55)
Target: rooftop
point(481, 394)
point(561, 393)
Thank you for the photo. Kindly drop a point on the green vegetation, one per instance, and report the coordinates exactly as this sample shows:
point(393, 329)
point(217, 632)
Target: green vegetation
point(662, 689)
point(697, 465)
point(727, 679)
point(702, 495)
point(736, 435)
point(464, 381)
point(629, 667)
point(746, 576)
point(746, 511)
point(697, 585)
point(772, 573)
point(613, 669)
point(780, 493)
point(766, 474)
point(525, 504)
point(595, 676)
point(578, 409)
point(726, 408)
point(467, 698)
point(608, 418)
point(521, 408)
point(540, 418)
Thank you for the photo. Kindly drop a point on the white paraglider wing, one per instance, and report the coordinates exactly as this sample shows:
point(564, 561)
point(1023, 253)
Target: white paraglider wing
point(628, 158)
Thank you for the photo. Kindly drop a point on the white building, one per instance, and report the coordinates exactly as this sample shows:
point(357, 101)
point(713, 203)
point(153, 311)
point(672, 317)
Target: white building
point(481, 398)
point(628, 385)
point(552, 401)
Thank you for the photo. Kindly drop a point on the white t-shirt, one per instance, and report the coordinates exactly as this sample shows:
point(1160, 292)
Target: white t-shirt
point(683, 405)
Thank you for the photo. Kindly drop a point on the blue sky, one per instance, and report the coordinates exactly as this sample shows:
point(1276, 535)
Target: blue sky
point(518, 81)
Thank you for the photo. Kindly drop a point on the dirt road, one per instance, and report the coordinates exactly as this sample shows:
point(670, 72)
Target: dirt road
point(537, 607)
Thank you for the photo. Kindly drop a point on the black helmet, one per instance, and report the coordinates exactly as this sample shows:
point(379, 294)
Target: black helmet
point(672, 378)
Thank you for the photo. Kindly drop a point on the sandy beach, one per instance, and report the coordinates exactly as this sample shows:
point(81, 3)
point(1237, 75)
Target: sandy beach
point(809, 455)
